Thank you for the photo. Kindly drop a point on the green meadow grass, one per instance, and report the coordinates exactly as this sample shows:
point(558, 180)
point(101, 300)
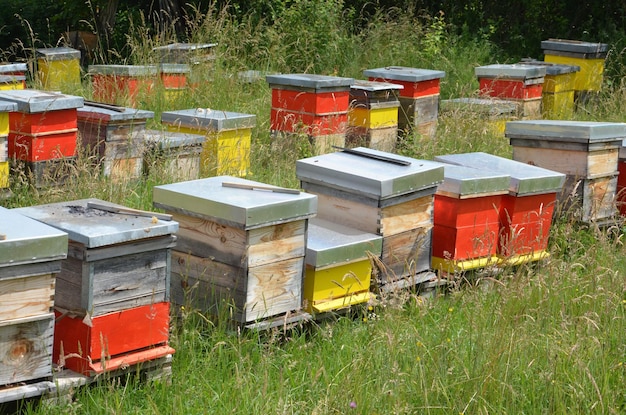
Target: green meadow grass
point(542, 338)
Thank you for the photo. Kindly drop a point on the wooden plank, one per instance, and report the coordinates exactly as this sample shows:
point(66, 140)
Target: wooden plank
point(577, 163)
point(276, 243)
point(78, 251)
point(348, 212)
point(405, 254)
point(406, 216)
point(69, 284)
point(26, 347)
point(591, 200)
point(26, 297)
point(32, 269)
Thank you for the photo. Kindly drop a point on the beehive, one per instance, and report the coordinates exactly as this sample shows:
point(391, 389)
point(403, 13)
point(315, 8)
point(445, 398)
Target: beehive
point(18, 70)
point(240, 247)
point(493, 111)
point(30, 258)
point(199, 56)
point(526, 212)
point(176, 154)
point(384, 194)
point(5, 108)
point(228, 135)
point(11, 82)
point(466, 218)
point(338, 266)
point(122, 84)
point(58, 69)
point(174, 79)
point(114, 136)
point(588, 56)
point(42, 131)
point(312, 105)
point(587, 152)
point(373, 115)
point(419, 97)
point(112, 294)
point(520, 83)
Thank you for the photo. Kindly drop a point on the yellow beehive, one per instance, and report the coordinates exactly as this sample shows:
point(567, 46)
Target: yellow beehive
point(373, 117)
point(588, 56)
point(58, 69)
point(4, 174)
point(11, 82)
point(558, 95)
point(226, 150)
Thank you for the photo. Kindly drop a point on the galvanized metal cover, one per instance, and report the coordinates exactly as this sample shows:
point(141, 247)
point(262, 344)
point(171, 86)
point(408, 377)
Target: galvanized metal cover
point(58, 54)
point(303, 80)
point(208, 119)
point(552, 69)
point(185, 46)
point(12, 79)
point(112, 113)
point(6, 106)
point(96, 228)
point(510, 71)
point(525, 179)
point(403, 73)
point(576, 46)
point(566, 131)
point(493, 107)
point(375, 86)
point(178, 68)
point(243, 208)
point(170, 139)
point(125, 70)
point(13, 67)
point(34, 101)
point(371, 178)
point(26, 240)
point(331, 243)
point(464, 181)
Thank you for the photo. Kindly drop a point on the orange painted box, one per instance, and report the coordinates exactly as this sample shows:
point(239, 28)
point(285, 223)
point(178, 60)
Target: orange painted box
point(463, 243)
point(122, 84)
point(43, 122)
point(311, 102)
point(311, 124)
point(84, 345)
point(509, 88)
point(42, 147)
point(416, 82)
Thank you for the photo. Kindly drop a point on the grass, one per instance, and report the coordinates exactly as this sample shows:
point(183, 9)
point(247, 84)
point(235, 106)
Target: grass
point(539, 338)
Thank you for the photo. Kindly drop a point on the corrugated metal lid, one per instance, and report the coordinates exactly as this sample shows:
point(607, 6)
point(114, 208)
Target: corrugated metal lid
point(573, 46)
point(369, 177)
point(464, 181)
point(331, 243)
point(58, 54)
point(208, 119)
point(403, 73)
point(94, 227)
point(26, 240)
point(566, 131)
point(107, 112)
point(525, 179)
point(302, 80)
point(242, 208)
point(510, 71)
point(33, 100)
point(126, 70)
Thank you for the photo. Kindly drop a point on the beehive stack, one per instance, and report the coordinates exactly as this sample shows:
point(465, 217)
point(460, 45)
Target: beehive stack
point(16, 73)
point(199, 56)
point(43, 132)
point(177, 154)
point(419, 97)
point(241, 246)
point(588, 56)
point(5, 108)
point(122, 84)
point(466, 218)
point(338, 266)
point(495, 112)
point(228, 135)
point(114, 136)
point(174, 80)
point(112, 294)
point(587, 152)
point(522, 84)
point(526, 212)
point(312, 105)
point(58, 69)
point(373, 115)
point(384, 194)
point(30, 259)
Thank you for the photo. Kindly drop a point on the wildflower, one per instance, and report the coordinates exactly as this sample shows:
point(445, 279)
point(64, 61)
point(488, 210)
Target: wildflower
point(451, 309)
point(418, 359)
point(365, 319)
point(370, 308)
point(352, 404)
point(448, 340)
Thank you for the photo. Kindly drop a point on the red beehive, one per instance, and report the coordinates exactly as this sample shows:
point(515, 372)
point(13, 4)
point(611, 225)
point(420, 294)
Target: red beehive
point(121, 84)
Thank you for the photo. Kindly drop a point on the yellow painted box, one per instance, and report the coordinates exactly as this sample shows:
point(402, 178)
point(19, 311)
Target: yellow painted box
point(558, 105)
point(373, 117)
point(58, 69)
point(338, 266)
point(4, 174)
point(590, 76)
point(226, 149)
point(11, 82)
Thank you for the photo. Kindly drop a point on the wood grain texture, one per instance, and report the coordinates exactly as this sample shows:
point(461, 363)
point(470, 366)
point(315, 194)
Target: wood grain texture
point(406, 216)
point(581, 164)
point(26, 297)
point(276, 243)
point(405, 254)
point(348, 212)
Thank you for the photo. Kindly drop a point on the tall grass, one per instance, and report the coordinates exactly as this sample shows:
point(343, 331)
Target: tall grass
point(540, 338)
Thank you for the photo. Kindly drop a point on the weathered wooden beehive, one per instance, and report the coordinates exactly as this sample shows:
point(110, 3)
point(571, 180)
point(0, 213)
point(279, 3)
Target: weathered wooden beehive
point(114, 136)
point(43, 132)
point(5, 108)
point(373, 115)
point(419, 97)
point(228, 136)
point(338, 266)
point(30, 258)
point(241, 247)
point(381, 193)
point(312, 105)
point(467, 218)
point(122, 84)
point(526, 212)
point(495, 112)
point(58, 68)
point(112, 294)
point(514, 82)
point(587, 152)
point(177, 154)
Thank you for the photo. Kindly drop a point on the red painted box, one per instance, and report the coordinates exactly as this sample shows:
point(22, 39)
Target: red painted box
point(416, 82)
point(43, 122)
point(121, 84)
point(306, 123)
point(311, 102)
point(621, 186)
point(509, 88)
point(93, 345)
point(42, 147)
